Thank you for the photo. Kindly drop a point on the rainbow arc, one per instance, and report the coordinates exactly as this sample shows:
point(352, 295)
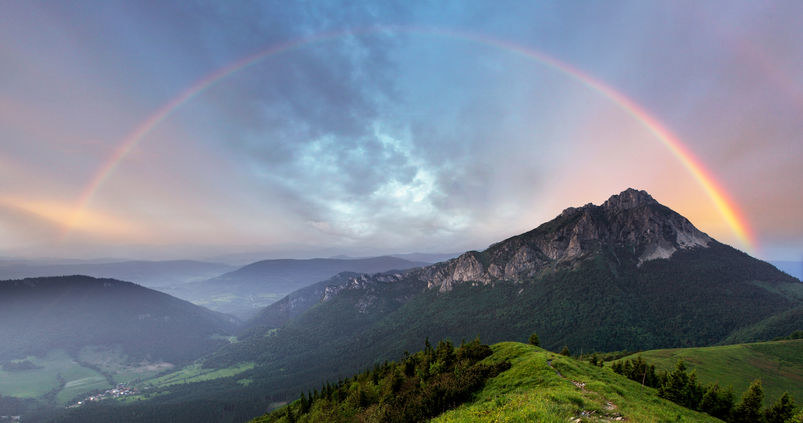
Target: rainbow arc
point(704, 178)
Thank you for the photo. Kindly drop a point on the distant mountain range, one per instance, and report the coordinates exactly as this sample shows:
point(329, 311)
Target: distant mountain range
point(71, 313)
point(243, 292)
point(427, 257)
point(153, 274)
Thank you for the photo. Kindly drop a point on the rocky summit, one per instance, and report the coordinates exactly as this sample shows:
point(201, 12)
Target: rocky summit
point(630, 226)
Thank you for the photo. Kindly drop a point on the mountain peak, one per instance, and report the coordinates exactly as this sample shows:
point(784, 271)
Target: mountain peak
point(629, 227)
point(628, 199)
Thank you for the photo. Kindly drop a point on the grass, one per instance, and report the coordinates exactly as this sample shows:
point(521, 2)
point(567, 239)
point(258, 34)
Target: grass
point(37, 382)
point(532, 391)
point(80, 380)
point(779, 365)
point(195, 373)
point(77, 387)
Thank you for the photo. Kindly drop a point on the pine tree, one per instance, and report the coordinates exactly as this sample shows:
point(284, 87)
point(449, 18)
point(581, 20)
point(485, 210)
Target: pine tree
point(749, 409)
point(534, 340)
point(303, 404)
point(781, 411)
point(694, 392)
point(676, 388)
point(565, 351)
point(717, 402)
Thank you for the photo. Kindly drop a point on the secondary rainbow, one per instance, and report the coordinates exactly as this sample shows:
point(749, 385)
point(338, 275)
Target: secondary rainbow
point(715, 192)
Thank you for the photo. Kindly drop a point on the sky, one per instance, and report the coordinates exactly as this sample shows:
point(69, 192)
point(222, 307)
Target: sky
point(178, 129)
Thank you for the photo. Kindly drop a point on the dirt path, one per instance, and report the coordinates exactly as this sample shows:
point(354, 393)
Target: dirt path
point(609, 406)
point(549, 363)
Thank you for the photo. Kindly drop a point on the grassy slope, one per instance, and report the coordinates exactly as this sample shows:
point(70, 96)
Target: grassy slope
point(195, 373)
point(779, 365)
point(532, 391)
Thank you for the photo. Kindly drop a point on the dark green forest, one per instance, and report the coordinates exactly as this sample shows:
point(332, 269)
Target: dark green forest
point(420, 386)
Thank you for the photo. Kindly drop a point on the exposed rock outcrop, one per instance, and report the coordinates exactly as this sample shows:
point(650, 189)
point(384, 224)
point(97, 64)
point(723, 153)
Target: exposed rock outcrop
point(630, 223)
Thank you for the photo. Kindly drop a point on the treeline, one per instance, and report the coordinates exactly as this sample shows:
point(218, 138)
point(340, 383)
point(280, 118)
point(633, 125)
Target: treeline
point(418, 387)
point(683, 388)
point(798, 334)
point(19, 365)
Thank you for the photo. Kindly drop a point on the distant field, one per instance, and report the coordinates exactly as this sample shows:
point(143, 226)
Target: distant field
point(35, 383)
point(195, 373)
point(77, 387)
point(78, 379)
point(44, 383)
point(779, 365)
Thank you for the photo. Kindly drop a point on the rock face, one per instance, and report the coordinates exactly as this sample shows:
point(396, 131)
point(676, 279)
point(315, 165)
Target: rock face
point(298, 302)
point(630, 226)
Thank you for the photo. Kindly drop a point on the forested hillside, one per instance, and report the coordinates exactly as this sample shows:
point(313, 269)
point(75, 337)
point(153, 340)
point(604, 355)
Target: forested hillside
point(73, 312)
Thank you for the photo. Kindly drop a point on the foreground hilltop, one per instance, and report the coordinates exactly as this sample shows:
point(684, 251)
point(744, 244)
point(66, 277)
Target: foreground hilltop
point(539, 386)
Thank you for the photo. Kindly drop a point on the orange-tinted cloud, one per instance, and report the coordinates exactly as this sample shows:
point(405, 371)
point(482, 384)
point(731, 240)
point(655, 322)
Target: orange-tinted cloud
point(61, 218)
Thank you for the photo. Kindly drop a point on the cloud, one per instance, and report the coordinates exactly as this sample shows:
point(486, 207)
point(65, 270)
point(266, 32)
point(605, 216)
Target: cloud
point(387, 140)
point(50, 221)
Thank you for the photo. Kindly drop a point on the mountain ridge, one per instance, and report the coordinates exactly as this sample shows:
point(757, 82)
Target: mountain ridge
point(149, 273)
point(73, 312)
point(246, 290)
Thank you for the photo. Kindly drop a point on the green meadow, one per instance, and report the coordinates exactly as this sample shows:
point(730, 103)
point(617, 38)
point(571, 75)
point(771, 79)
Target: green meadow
point(195, 373)
point(53, 369)
point(779, 365)
point(532, 390)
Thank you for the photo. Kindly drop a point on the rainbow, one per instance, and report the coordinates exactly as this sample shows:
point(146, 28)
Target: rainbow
point(706, 180)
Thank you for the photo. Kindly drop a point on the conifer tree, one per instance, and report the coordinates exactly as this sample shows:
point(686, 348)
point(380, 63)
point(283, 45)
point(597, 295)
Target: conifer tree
point(717, 402)
point(749, 409)
point(303, 404)
point(781, 411)
point(676, 388)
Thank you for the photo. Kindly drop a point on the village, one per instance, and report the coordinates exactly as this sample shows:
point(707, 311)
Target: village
point(121, 390)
